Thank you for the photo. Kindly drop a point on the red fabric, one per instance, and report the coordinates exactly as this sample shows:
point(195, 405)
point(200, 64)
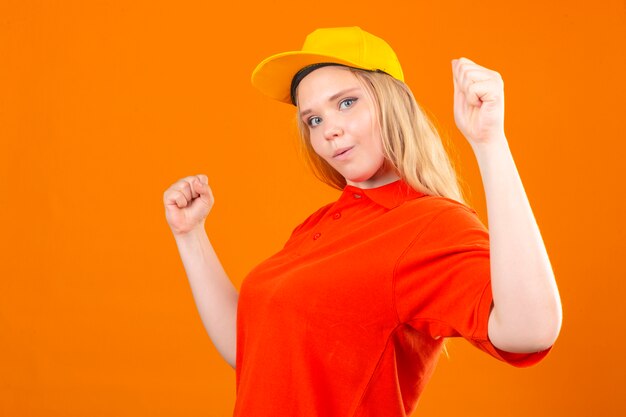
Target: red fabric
point(348, 319)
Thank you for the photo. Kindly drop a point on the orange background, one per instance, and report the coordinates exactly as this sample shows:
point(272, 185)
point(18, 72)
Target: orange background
point(104, 104)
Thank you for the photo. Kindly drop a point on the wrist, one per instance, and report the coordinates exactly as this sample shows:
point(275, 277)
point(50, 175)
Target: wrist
point(190, 234)
point(495, 145)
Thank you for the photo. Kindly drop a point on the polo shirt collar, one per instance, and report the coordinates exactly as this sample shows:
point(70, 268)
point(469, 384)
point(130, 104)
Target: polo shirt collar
point(389, 195)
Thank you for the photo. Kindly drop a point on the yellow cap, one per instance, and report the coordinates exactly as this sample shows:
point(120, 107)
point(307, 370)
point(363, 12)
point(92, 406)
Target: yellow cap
point(351, 46)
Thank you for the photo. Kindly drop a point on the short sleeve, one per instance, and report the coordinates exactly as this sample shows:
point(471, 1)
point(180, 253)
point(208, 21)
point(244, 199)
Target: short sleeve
point(442, 282)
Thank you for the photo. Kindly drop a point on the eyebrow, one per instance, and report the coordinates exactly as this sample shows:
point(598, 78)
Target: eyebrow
point(331, 98)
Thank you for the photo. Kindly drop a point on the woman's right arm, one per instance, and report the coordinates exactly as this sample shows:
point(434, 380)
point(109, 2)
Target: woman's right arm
point(187, 203)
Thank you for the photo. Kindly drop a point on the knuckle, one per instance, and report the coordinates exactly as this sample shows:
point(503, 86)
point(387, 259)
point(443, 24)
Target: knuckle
point(169, 194)
point(183, 187)
point(174, 196)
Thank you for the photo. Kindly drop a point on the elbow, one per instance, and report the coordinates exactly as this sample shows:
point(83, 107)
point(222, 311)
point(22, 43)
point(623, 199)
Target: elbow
point(528, 323)
point(547, 330)
point(527, 336)
point(542, 339)
point(530, 343)
point(544, 333)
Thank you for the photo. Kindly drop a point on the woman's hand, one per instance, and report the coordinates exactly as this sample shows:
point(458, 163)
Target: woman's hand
point(187, 203)
point(478, 102)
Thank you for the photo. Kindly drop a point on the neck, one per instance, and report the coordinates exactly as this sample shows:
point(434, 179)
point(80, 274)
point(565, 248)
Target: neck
point(376, 181)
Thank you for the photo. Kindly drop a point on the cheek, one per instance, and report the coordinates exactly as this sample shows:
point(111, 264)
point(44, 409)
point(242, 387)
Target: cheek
point(316, 145)
point(364, 125)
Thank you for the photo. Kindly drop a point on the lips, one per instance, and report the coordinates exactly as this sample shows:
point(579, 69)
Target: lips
point(341, 151)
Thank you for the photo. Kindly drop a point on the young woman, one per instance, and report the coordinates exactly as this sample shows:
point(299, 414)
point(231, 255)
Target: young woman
point(348, 319)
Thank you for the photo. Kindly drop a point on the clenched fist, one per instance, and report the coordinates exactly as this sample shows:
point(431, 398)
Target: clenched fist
point(478, 101)
point(187, 203)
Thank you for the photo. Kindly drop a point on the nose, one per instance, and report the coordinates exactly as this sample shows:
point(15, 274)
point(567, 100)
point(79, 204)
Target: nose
point(333, 130)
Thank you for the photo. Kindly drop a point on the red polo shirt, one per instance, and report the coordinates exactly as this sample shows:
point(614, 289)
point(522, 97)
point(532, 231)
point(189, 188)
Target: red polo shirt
point(348, 319)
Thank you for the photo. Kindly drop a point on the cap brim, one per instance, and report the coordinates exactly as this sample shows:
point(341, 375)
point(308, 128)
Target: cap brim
point(274, 74)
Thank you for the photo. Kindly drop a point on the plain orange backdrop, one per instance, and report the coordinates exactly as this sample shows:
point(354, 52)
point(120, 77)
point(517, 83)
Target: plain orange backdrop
point(104, 104)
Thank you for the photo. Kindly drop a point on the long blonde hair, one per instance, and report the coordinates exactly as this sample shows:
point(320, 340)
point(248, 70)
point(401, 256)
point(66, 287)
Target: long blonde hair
point(411, 142)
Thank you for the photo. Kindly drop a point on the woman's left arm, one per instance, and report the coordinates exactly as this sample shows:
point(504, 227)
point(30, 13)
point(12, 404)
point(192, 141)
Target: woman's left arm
point(526, 314)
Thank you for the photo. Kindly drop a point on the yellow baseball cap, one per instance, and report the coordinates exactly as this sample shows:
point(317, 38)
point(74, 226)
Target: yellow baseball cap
point(351, 46)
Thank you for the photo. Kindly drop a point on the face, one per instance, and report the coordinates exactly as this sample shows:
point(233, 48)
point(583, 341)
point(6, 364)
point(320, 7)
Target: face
point(343, 127)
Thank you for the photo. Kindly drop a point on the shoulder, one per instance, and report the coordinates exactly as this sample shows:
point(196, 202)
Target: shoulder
point(435, 209)
point(445, 221)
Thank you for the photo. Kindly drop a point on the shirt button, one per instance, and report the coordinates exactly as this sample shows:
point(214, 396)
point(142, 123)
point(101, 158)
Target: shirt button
point(355, 195)
point(336, 215)
point(316, 236)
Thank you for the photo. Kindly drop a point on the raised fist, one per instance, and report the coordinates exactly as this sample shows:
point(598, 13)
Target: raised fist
point(187, 203)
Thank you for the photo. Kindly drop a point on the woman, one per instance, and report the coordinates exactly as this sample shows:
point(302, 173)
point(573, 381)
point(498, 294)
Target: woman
point(348, 319)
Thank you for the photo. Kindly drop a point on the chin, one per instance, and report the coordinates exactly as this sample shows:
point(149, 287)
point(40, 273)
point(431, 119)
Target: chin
point(360, 178)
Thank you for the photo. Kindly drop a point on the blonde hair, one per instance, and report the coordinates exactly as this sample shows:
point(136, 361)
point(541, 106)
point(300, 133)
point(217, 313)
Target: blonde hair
point(411, 142)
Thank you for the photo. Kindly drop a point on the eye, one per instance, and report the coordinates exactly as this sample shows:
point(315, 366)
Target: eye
point(347, 103)
point(314, 121)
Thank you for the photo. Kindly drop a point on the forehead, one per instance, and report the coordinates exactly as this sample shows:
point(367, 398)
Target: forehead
point(324, 82)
